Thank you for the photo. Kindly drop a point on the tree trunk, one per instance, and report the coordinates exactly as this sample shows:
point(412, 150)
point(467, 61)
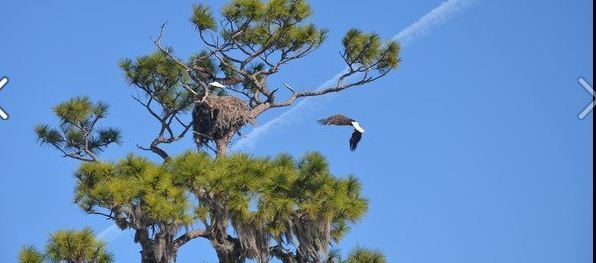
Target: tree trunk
point(156, 251)
point(289, 257)
point(156, 255)
point(223, 144)
point(228, 248)
point(221, 148)
point(228, 253)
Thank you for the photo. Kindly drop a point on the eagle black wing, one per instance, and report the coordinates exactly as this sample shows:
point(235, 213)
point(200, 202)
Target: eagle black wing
point(355, 139)
point(337, 120)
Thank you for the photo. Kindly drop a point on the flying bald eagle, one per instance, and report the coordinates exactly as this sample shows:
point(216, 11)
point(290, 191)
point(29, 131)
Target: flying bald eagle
point(341, 120)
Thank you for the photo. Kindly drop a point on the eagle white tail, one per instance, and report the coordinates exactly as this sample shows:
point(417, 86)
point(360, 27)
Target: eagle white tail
point(217, 84)
point(357, 127)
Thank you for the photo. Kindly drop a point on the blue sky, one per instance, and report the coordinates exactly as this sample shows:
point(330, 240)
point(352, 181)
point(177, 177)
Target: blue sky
point(473, 150)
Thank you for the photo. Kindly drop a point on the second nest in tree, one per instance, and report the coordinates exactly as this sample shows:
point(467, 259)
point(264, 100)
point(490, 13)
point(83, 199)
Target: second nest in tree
point(219, 117)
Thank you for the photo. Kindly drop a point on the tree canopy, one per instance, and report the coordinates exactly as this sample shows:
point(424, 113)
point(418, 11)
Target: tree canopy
point(78, 136)
point(69, 246)
point(274, 205)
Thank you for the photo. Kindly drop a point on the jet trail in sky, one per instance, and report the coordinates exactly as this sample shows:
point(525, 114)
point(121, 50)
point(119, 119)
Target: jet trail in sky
point(108, 233)
point(434, 18)
point(423, 26)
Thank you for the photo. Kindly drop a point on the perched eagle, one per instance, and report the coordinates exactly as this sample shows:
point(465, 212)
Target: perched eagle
point(345, 121)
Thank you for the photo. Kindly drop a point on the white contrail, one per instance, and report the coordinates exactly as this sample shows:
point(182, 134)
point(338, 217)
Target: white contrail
point(435, 17)
point(109, 233)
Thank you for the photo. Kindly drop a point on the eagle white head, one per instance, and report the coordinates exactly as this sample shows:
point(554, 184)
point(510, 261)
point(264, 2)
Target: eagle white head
point(357, 127)
point(217, 84)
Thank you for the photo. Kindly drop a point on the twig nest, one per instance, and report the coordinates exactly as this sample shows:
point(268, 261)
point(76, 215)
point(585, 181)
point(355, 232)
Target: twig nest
point(219, 117)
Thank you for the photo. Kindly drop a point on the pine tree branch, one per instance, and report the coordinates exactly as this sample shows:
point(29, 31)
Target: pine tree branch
point(158, 44)
point(75, 155)
point(338, 88)
point(188, 236)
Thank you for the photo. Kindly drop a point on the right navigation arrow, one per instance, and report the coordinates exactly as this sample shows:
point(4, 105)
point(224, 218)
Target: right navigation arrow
point(590, 107)
point(3, 114)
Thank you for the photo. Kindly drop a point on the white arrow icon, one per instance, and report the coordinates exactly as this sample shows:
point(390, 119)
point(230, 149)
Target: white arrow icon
point(590, 107)
point(3, 114)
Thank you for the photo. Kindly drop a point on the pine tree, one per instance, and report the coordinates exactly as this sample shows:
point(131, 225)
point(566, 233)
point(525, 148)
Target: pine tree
point(362, 255)
point(249, 208)
point(30, 254)
point(357, 255)
point(69, 246)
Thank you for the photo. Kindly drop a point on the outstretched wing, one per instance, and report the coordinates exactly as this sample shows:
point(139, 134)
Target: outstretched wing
point(337, 120)
point(355, 139)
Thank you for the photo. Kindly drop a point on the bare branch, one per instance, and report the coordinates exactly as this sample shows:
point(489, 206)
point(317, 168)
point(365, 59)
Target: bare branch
point(189, 89)
point(188, 236)
point(290, 88)
point(157, 43)
point(339, 87)
point(147, 106)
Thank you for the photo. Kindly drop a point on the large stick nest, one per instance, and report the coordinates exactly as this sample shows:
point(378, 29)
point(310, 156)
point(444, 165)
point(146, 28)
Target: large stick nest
point(219, 117)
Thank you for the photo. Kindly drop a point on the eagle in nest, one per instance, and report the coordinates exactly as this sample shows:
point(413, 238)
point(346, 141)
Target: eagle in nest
point(341, 120)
